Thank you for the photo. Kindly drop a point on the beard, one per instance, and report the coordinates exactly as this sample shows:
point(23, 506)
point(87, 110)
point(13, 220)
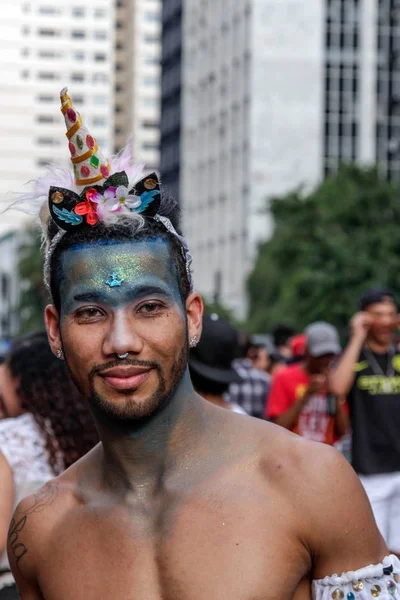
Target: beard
point(131, 409)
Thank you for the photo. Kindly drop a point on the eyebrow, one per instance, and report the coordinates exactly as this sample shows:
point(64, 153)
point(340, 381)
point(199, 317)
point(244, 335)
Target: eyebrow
point(132, 293)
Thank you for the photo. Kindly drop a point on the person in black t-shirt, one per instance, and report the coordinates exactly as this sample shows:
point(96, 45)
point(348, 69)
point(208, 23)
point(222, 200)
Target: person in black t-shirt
point(368, 373)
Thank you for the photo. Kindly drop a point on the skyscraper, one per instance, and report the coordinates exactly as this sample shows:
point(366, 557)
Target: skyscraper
point(277, 94)
point(43, 47)
point(137, 79)
point(171, 104)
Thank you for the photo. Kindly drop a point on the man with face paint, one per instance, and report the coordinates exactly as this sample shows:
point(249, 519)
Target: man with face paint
point(181, 499)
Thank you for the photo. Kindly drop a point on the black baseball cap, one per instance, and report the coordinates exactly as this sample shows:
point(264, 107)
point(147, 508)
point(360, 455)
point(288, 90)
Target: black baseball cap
point(218, 347)
point(375, 295)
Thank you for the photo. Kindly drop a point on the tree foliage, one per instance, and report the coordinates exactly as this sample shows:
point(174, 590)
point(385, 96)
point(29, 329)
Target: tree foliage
point(33, 294)
point(327, 248)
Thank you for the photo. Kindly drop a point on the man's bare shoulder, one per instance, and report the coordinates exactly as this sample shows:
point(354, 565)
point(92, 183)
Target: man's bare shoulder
point(332, 514)
point(36, 516)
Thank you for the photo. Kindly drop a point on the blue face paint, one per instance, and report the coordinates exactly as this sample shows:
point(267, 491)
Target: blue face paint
point(145, 267)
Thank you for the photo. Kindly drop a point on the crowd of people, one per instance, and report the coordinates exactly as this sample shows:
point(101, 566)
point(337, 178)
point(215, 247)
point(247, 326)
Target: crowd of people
point(148, 451)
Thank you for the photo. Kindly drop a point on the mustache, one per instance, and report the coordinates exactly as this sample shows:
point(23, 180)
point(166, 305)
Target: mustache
point(123, 363)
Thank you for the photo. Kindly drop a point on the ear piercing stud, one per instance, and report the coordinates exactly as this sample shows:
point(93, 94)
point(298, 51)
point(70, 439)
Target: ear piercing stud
point(60, 354)
point(193, 341)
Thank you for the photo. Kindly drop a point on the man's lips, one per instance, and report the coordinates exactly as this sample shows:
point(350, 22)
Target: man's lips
point(125, 378)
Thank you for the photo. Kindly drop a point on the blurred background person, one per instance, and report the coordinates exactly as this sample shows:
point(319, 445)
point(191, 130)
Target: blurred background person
point(282, 335)
point(298, 347)
point(47, 428)
point(211, 361)
point(252, 366)
point(368, 373)
point(300, 398)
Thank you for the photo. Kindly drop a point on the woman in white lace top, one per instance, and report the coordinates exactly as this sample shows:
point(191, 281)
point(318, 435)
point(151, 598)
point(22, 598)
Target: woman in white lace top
point(48, 427)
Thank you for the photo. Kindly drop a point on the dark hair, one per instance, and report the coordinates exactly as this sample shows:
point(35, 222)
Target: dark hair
point(282, 334)
point(46, 391)
point(375, 295)
point(125, 229)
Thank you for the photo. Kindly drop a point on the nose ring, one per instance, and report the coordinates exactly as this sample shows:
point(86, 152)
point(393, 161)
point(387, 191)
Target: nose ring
point(123, 356)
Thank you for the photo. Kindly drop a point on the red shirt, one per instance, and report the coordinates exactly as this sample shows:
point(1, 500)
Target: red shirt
point(315, 421)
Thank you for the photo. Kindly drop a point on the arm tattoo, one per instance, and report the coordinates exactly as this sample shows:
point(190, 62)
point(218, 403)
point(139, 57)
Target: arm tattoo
point(40, 501)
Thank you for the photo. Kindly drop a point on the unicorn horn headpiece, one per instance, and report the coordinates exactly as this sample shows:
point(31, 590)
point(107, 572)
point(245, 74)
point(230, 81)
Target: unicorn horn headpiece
point(90, 166)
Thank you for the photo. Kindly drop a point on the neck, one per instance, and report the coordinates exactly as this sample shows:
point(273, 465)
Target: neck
point(379, 347)
point(144, 453)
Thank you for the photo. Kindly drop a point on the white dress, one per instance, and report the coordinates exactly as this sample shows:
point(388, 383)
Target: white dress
point(24, 446)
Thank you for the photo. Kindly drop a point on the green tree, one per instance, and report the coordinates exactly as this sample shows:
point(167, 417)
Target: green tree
point(33, 294)
point(327, 248)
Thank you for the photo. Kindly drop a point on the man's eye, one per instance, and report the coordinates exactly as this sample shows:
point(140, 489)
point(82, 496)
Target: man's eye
point(89, 313)
point(150, 308)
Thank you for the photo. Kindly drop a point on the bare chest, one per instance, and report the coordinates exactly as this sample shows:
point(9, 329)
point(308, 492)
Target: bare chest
point(202, 551)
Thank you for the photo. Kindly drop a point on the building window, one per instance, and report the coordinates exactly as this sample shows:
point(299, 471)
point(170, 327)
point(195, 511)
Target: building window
point(152, 17)
point(43, 162)
point(100, 57)
point(49, 54)
point(100, 35)
point(78, 55)
point(150, 124)
point(45, 119)
point(100, 78)
point(151, 39)
point(100, 13)
point(78, 11)
point(78, 34)
point(26, 30)
point(46, 141)
point(151, 60)
point(100, 100)
point(150, 81)
point(47, 32)
point(48, 10)
point(150, 146)
point(25, 74)
point(78, 77)
point(151, 102)
point(99, 122)
point(46, 98)
point(25, 52)
point(47, 75)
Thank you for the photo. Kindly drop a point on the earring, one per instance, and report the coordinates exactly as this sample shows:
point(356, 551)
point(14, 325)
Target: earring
point(60, 354)
point(193, 341)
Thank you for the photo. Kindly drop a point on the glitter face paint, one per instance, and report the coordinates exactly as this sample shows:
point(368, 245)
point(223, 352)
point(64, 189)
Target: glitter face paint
point(144, 266)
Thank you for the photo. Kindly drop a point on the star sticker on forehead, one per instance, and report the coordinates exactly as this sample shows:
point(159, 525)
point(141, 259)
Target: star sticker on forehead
point(114, 281)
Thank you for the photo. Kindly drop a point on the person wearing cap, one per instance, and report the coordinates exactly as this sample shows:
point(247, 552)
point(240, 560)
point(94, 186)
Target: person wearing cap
point(210, 363)
point(368, 373)
point(300, 399)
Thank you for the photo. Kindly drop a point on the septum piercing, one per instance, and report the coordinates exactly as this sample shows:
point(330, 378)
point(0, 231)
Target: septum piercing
point(123, 356)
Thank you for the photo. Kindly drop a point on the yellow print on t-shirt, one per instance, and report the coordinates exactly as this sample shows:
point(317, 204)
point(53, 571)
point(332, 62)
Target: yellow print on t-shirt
point(379, 384)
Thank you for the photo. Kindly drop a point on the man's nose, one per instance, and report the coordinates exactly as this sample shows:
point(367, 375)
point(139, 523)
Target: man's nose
point(122, 337)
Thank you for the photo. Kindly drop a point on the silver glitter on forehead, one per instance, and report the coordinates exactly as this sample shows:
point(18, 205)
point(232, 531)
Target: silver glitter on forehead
point(161, 219)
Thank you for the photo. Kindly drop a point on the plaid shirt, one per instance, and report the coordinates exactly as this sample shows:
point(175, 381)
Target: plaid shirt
point(252, 393)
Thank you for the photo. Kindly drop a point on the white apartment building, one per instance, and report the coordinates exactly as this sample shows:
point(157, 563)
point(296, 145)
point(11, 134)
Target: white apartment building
point(276, 93)
point(44, 46)
point(138, 78)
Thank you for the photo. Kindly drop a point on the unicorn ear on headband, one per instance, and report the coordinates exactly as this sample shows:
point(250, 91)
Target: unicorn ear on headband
point(102, 196)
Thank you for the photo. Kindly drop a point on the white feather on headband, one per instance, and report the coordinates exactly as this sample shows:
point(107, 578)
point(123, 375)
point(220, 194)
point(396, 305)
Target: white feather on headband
point(35, 201)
